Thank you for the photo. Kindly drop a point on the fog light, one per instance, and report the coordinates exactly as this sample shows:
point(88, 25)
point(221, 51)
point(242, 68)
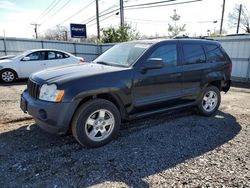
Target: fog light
point(43, 114)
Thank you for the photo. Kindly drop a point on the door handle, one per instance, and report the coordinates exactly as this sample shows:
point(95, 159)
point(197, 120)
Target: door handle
point(175, 75)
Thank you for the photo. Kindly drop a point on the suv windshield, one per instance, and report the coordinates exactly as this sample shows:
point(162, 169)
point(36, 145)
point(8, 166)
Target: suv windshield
point(124, 54)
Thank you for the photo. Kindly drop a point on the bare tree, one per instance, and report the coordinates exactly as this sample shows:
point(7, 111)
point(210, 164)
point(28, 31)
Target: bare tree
point(244, 19)
point(59, 33)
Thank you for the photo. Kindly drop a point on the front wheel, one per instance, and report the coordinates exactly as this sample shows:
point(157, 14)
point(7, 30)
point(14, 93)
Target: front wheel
point(210, 101)
point(8, 76)
point(96, 123)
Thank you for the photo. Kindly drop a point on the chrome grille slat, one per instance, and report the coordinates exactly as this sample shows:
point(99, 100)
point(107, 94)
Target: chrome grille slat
point(33, 89)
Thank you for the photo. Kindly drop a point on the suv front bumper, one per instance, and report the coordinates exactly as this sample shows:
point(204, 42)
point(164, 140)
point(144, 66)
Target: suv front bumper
point(50, 116)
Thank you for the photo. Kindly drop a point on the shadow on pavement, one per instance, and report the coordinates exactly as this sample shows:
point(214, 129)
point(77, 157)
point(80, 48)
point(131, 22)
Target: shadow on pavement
point(17, 82)
point(32, 157)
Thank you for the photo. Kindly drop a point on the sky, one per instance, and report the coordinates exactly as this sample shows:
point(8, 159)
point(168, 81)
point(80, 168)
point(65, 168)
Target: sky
point(16, 16)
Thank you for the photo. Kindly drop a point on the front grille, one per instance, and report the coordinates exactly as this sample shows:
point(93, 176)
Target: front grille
point(33, 89)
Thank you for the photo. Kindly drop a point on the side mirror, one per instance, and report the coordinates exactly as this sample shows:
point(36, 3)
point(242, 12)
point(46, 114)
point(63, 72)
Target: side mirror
point(26, 58)
point(153, 63)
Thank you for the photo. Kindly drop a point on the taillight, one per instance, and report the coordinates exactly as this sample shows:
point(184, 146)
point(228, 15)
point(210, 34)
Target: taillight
point(81, 61)
point(230, 68)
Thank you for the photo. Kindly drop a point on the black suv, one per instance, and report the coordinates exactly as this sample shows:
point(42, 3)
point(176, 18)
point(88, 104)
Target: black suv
point(130, 80)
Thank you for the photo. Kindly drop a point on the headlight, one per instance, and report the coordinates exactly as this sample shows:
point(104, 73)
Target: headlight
point(50, 93)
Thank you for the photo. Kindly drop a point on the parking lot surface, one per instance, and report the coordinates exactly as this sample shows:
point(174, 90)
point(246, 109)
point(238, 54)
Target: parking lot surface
point(180, 149)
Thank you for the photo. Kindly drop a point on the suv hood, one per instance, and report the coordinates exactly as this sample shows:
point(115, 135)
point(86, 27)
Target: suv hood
point(72, 72)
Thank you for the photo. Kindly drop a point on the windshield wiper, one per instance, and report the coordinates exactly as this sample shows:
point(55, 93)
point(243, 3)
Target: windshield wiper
point(109, 64)
point(102, 62)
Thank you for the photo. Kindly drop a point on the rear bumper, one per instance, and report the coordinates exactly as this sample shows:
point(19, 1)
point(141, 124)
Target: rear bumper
point(51, 117)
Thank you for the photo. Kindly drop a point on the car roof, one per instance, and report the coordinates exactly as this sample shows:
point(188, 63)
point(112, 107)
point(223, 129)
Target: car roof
point(194, 40)
point(37, 50)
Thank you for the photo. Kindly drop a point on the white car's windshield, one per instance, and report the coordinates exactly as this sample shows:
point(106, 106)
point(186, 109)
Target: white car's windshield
point(21, 55)
point(124, 54)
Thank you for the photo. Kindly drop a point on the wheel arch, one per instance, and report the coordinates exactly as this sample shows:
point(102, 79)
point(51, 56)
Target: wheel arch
point(107, 96)
point(10, 69)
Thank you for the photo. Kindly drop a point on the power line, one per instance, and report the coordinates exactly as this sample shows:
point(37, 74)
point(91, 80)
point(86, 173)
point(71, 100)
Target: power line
point(77, 13)
point(93, 17)
point(72, 15)
point(58, 10)
point(154, 6)
point(152, 3)
point(51, 8)
point(101, 20)
point(46, 9)
point(102, 15)
point(143, 6)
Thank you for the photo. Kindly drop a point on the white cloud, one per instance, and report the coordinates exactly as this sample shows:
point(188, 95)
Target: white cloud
point(8, 5)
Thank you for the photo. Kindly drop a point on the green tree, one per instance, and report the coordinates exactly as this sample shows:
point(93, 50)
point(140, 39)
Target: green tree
point(121, 34)
point(175, 30)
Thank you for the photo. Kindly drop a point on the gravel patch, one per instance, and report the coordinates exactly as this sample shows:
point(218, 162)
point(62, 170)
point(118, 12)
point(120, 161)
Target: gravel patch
point(180, 149)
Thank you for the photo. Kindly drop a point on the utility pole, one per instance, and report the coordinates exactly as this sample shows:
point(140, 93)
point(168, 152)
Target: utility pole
point(66, 35)
point(222, 16)
point(238, 24)
point(97, 20)
point(35, 29)
point(121, 13)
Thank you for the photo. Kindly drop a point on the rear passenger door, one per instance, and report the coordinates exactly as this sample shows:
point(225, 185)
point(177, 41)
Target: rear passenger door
point(194, 68)
point(55, 59)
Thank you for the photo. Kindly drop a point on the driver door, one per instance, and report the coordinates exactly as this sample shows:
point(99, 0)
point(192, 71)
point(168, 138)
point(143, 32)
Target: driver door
point(32, 62)
point(156, 88)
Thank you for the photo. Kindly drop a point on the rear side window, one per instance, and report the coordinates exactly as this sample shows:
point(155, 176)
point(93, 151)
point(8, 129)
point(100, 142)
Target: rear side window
point(193, 53)
point(167, 52)
point(51, 55)
point(214, 53)
point(56, 55)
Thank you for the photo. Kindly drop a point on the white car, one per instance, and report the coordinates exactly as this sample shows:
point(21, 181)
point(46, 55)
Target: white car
point(22, 66)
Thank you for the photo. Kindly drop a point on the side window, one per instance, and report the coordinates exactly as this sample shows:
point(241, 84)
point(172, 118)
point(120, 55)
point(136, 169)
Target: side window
point(51, 55)
point(167, 52)
point(66, 55)
point(37, 56)
point(59, 55)
point(193, 53)
point(214, 53)
point(34, 56)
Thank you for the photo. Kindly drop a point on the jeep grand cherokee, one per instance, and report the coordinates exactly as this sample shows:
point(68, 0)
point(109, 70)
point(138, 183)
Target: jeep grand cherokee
point(130, 80)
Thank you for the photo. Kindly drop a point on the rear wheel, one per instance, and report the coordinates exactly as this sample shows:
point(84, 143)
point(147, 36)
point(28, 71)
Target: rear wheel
point(8, 76)
point(210, 101)
point(96, 123)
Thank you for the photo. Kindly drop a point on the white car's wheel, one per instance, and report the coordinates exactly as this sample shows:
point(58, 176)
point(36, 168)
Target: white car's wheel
point(8, 76)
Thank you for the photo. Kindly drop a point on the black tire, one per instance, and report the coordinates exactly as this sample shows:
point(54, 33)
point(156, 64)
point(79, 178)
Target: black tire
point(79, 122)
point(202, 103)
point(8, 75)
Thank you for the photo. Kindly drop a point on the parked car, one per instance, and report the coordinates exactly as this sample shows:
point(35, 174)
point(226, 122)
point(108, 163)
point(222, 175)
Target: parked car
point(7, 57)
point(130, 80)
point(22, 66)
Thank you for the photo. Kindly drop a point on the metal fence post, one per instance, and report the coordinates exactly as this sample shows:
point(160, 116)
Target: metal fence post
point(4, 45)
point(74, 48)
point(42, 44)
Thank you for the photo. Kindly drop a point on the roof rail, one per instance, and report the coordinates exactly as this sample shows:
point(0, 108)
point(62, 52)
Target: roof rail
point(187, 37)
